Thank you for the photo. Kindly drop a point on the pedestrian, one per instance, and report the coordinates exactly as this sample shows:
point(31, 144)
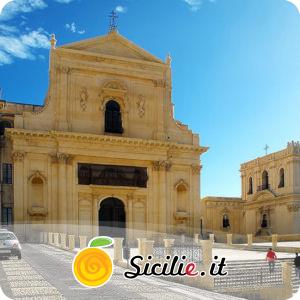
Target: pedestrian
point(297, 265)
point(270, 258)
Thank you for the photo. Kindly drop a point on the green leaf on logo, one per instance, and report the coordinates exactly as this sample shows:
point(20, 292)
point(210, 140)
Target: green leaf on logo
point(101, 241)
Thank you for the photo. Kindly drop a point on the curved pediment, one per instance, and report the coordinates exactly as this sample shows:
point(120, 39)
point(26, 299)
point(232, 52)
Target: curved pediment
point(263, 195)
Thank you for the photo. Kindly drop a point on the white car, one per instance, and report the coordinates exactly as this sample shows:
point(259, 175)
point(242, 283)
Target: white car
point(9, 244)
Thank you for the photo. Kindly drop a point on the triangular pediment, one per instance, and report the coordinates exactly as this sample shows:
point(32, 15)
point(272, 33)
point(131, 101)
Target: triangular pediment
point(113, 44)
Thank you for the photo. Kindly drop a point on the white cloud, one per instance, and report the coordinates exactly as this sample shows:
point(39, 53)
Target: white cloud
point(5, 58)
point(194, 4)
point(64, 1)
point(25, 6)
point(73, 28)
point(22, 46)
point(7, 29)
point(121, 9)
point(21, 6)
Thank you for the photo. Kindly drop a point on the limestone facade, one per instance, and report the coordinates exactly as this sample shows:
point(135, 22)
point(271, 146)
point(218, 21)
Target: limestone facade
point(68, 137)
point(270, 202)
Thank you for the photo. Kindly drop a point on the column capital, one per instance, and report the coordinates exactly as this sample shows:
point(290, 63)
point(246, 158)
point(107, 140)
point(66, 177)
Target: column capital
point(18, 156)
point(160, 165)
point(160, 83)
point(196, 169)
point(130, 197)
point(63, 158)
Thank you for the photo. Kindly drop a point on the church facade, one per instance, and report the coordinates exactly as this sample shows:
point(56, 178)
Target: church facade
point(270, 201)
point(104, 154)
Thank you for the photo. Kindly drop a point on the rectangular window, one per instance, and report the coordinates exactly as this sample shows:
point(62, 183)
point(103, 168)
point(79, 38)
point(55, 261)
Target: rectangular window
point(7, 215)
point(7, 173)
point(92, 174)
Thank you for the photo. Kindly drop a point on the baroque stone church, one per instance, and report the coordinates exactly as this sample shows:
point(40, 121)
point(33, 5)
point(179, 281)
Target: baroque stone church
point(104, 154)
point(270, 200)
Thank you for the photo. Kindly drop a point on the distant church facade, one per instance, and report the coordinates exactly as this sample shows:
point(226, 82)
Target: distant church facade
point(270, 200)
point(104, 154)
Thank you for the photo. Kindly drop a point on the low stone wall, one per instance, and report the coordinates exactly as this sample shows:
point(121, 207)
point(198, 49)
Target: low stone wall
point(146, 248)
point(281, 238)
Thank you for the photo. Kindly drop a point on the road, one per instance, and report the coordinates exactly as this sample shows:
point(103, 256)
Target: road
point(45, 273)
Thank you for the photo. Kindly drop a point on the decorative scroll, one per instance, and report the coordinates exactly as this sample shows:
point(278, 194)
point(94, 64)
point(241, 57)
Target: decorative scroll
point(83, 99)
point(112, 175)
point(141, 106)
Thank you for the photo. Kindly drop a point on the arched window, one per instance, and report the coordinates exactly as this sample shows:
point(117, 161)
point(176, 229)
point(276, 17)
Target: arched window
point(281, 178)
point(113, 117)
point(3, 125)
point(250, 190)
point(265, 180)
point(226, 223)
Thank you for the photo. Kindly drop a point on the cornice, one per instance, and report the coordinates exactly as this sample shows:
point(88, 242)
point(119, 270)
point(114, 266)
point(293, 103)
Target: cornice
point(13, 133)
point(106, 57)
point(279, 200)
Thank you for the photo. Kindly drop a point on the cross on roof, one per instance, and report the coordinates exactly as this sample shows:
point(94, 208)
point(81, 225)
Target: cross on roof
point(113, 21)
point(266, 149)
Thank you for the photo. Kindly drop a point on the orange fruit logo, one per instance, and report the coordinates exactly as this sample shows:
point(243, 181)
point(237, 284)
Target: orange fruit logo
point(92, 267)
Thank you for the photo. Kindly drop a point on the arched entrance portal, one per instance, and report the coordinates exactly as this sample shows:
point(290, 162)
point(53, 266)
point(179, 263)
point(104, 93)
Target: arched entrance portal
point(112, 218)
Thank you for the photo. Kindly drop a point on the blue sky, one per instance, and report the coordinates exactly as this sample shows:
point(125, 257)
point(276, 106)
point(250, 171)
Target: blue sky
point(235, 63)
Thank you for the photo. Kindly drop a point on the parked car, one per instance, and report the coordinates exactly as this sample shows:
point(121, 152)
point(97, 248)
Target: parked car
point(9, 244)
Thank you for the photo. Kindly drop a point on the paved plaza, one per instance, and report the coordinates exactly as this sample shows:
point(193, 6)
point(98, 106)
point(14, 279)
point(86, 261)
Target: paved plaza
point(45, 273)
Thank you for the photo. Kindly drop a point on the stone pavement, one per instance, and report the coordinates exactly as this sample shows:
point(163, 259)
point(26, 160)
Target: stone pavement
point(45, 273)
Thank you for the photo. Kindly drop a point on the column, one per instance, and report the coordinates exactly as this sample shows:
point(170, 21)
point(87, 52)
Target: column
point(19, 209)
point(162, 198)
point(206, 252)
point(287, 280)
point(95, 216)
point(63, 243)
point(168, 245)
point(45, 239)
point(159, 99)
point(82, 241)
point(155, 196)
point(62, 191)
point(69, 195)
point(56, 239)
point(229, 239)
point(71, 242)
point(206, 281)
point(129, 214)
point(195, 197)
point(53, 195)
point(274, 240)
point(196, 238)
point(141, 247)
point(118, 249)
point(50, 238)
point(182, 239)
point(250, 239)
point(212, 237)
point(149, 248)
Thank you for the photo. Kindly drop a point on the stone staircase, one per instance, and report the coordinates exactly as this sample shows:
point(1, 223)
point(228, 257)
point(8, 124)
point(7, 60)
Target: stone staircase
point(255, 273)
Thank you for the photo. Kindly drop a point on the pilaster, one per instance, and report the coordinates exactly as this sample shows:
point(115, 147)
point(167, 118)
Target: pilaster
point(19, 208)
point(62, 191)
